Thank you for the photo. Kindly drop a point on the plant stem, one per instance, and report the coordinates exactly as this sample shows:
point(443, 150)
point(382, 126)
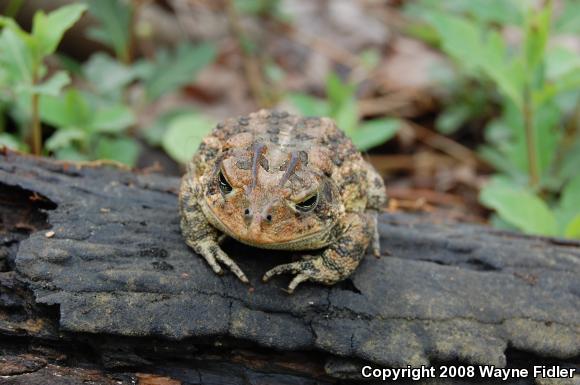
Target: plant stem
point(129, 54)
point(36, 128)
point(249, 61)
point(530, 138)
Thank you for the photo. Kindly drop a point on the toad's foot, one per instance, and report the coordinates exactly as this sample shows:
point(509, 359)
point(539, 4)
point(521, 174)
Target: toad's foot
point(213, 254)
point(311, 269)
point(338, 261)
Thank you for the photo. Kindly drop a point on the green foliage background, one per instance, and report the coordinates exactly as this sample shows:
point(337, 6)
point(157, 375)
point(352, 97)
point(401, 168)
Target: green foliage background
point(527, 93)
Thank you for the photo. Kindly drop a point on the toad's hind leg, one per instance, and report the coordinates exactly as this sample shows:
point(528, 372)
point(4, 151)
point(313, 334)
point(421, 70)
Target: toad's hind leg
point(376, 238)
point(376, 201)
point(338, 261)
point(199, 234)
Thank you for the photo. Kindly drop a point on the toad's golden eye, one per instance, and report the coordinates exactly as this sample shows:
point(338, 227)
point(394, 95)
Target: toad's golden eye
point(225, 186)
point(307, 204)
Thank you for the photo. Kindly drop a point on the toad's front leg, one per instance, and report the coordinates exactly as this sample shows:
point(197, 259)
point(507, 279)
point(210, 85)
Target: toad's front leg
point(338, 261)
point(200, 235)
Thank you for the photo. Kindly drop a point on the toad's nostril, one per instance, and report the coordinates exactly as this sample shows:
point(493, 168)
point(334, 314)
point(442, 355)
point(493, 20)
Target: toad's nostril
point(247, 212)
point(269, 218)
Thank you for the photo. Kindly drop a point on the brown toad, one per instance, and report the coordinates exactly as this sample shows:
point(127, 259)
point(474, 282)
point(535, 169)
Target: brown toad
point(279, 181)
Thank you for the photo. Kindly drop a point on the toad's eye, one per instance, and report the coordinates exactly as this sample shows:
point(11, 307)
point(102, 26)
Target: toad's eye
point(307, 204)
point(225, 186)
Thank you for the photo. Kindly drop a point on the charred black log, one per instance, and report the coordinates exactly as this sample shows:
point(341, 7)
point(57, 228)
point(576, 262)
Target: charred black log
point(95, 280)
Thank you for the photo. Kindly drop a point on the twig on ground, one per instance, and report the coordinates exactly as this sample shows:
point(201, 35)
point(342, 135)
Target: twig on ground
point(446, 145)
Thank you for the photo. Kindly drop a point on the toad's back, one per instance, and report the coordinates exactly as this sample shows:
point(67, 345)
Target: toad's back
point(317, 139)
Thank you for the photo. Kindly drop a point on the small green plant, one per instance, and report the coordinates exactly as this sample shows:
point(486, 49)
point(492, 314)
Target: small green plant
point(94, 119)
point(341, 105)
point(23, 74)
point(115, 27)
point(534, 143)
point(88, 127)
point(173, 69)
point(93, 125)
point(184, 134)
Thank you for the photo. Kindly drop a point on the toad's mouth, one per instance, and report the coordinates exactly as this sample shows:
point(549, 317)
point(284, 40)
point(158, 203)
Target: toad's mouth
point(310, 241)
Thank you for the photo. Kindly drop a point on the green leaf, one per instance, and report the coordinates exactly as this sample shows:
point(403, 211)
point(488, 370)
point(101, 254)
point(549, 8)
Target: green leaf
point(11, 24)
point(124, 150)
point(63, 138)
point(560, 62)
point(508, 136)
point(374, 132)
point(15, 57)
point(498, 160)
point(70, 153)
point(175, 70)
point(108, 75)
point(370, 58)
point(567, 23)
point(10, 141)
point(573, 228)
point(569, 205)
point(484, 11)
point(537, 30)
point(53, 85)
point(111, 119)
point(115, 29)
point(338, 92)
point(477, 49)
point(519, 207)
point(69, 110)
point(48, 29)
point(347, 116)
point(451, 119)
point(153, 134)
point(69, 63)
point(258, 7)
point(547, 124)
point(184, 135)
point(570, 161)
point(309, 105)
point(497, 222)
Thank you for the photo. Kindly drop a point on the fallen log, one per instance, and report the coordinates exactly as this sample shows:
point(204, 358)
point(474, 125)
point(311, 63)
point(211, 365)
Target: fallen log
point(96, 282)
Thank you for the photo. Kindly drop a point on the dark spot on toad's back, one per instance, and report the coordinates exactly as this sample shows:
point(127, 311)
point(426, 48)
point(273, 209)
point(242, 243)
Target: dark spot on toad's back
point(273, 130)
